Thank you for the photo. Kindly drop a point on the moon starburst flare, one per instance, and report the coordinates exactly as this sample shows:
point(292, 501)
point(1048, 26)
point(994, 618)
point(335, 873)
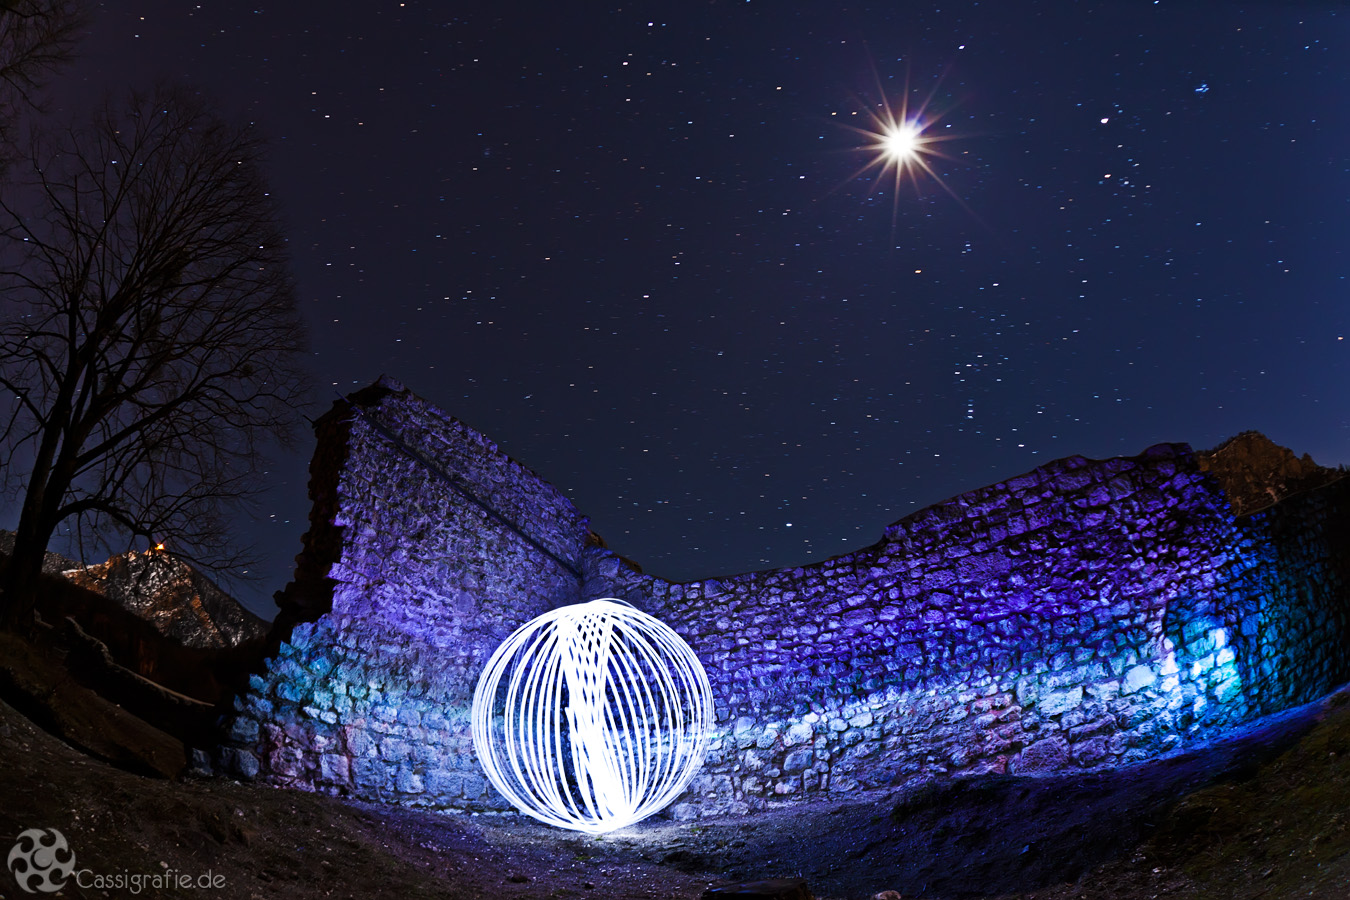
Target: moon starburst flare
point(902, 145)
point(901, 148)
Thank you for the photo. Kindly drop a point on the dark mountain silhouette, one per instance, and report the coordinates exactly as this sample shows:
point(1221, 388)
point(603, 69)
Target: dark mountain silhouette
point(52, 563)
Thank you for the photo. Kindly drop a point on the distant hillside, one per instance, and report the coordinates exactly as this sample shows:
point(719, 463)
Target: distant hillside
point(181, 602)
point(1256, 472)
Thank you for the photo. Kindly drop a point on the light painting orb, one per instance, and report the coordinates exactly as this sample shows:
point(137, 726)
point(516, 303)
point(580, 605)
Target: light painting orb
point(592, 716)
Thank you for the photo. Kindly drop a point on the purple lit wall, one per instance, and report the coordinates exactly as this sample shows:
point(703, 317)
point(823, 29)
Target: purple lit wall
point(1088, 614)
point(1085, 615)
point(408, 581)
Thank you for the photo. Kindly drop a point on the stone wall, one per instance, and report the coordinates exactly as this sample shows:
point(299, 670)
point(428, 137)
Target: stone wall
point(1088, 614)
point(427, 548)
point(1084, 615)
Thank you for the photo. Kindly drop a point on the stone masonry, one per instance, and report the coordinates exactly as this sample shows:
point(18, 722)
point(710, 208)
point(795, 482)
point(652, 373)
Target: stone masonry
point(1088, 614)
point(408, 582)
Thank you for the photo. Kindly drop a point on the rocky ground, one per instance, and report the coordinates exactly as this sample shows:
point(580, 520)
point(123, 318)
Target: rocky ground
point(1261, 815)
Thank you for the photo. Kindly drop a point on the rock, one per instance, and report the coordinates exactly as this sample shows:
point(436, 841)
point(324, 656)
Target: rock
point(1047, 755)
point(799, 760)
point(770, 889)
point(1061, 701)
point(1139, 678)
point(178, 600)
point(1256, 472)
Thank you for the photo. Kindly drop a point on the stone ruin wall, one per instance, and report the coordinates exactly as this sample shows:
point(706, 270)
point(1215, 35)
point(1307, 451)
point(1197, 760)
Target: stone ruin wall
point(1087, 614)
point(410, 586)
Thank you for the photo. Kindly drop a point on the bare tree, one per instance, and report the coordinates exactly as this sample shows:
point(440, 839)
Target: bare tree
point(36, 37)
point(152, 340)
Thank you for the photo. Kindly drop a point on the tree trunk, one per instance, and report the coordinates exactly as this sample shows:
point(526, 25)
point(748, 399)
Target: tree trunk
point(25, 565)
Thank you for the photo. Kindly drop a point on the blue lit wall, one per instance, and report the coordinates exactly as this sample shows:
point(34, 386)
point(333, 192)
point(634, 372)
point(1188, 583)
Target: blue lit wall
point(1085, 615)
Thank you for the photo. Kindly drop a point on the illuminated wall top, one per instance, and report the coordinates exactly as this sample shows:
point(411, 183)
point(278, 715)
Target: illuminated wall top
point(1088, 614)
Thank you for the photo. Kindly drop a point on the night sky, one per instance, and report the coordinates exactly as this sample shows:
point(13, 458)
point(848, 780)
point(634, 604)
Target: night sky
point(632, 244)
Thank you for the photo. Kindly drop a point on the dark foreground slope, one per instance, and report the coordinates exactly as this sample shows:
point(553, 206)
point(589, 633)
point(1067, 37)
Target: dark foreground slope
point(1273, 823)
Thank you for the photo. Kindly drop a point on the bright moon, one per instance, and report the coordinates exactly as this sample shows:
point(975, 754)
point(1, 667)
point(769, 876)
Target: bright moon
point(900, 147)
point(901, 142)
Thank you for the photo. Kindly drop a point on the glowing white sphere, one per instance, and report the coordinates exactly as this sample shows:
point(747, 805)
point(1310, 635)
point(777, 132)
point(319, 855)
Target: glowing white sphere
point(592, 717)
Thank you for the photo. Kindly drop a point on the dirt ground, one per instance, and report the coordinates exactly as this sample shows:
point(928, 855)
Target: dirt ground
point(1263, 814)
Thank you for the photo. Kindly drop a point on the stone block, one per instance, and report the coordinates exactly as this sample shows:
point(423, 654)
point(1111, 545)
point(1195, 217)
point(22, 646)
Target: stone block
point(474, 786)
point(359, 741)
point(1228, 690)
point(1138, 678)
point(685, 812)
point(1104, 691)
point(1048, 755)
point(1095, 726)
point(409, 782)
point(244, 730)
point(444, 784)
point(394, 750)
point(284, 762)
point(1058, 702)
point(294, 691)
point(334, 768)
point(1092, 752)
point(799, 760)
point(241, 763)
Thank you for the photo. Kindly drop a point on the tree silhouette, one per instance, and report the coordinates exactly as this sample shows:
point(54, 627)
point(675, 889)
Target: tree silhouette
point(36, 37)
point(152, 340)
